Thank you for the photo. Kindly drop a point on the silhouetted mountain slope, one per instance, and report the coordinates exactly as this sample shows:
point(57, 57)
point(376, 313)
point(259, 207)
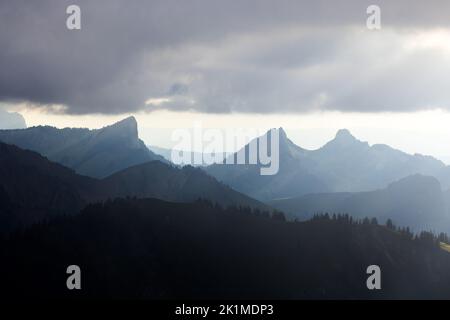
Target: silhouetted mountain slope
point(344, 164)
point(294, 176)
point(96, 153)
point(33, 188)
point(160, 180)
point(416, 201)
point(154, 249)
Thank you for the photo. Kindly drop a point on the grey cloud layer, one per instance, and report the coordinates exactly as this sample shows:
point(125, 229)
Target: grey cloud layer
point(220, 56)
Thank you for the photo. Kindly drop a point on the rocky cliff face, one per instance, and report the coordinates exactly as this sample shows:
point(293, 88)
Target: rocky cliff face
point(96, 153)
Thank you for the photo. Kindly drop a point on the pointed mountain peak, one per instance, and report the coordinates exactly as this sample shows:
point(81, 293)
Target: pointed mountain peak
point(125, 127)
point(344, 139)
point(130, 121)
point(286, 145)
point(282, 133)
point(344, 134)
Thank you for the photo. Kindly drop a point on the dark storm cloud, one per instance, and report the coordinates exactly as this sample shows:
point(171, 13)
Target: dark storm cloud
point(217, 56)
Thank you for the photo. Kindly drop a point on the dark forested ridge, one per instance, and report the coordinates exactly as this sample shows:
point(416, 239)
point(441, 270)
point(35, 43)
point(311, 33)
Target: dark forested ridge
point(149, 248)
point(162, 181)
point(33, 188)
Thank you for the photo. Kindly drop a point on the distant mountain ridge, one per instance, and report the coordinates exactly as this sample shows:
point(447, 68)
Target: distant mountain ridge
point(416, 201)
point(95, 153)
point(192, 155)
point(294, 175)
point(344, 164)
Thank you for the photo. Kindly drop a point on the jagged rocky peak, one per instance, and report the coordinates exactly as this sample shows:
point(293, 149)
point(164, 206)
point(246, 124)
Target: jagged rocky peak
point(344, 139)
point(287, 146)
point(282, 133)
point(282, 137)
point(126, 127)
point(344, 135)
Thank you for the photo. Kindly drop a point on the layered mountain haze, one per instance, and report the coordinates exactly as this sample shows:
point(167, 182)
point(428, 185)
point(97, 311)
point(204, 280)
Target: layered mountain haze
point(163, 181)
point(195, 197)
point(344, 164)
point(345, 175)
point(348, 164)
point(96, 153)
point(190, 156)
point(294, 176)
point(240, 247)
point(416, 201)
point(32, 188)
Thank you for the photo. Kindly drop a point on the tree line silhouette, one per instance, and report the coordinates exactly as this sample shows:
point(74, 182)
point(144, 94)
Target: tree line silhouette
point(422, 237)
point(152, 249)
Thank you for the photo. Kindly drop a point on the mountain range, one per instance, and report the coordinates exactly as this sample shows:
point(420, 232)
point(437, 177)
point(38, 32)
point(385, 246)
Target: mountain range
point(345, 175)
point(134, 221)
point(345, 164)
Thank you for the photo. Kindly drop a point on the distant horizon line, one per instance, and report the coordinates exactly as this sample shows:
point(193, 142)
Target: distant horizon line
point(311, 132)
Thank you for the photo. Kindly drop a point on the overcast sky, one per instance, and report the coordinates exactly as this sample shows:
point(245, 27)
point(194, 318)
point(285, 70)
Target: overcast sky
point(274, 59)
